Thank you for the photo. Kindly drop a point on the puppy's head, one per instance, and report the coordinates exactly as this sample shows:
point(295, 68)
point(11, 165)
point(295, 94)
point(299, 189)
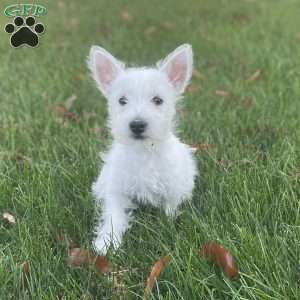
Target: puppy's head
point(141, 101)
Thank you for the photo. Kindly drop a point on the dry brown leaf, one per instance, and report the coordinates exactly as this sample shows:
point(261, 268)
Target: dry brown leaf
point(62, 111)
point(19, 157)
point(220, 256)
point(79, 257)
point(156, 270)
point(240, 18)
point(118, 285)
point(73, 22)
point(295, 172)
point(150, 30)
point(225, 164)
point(126, 16)
point(255, 76)
point(248, 102)
point(61, 4)
point(87, 115)
point(168, 25)
point(62, 237)
point(200, 147)
point(26, 268)
point(71, 117)
point(193, 88)
point(70, 101)
point(96, 130)
point(102, 264)
point(9, 218)
point(79, 76)
point(222, 93)
point(25, 274)
point(117, 278)
point(197, 74)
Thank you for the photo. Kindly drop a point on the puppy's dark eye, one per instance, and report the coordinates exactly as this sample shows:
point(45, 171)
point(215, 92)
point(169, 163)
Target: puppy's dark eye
point(123, 100)
point(157, 100)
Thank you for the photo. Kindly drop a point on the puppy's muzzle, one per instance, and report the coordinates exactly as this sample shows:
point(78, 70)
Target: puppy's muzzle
point(138, 127)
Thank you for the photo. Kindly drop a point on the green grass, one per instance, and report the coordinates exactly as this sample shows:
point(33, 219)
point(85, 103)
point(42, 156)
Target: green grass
point(247, 196)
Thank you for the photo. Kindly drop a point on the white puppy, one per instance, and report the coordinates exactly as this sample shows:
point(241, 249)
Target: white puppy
point(146, 162)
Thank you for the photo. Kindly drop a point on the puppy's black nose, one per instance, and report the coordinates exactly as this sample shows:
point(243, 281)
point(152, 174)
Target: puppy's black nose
point(137, 126)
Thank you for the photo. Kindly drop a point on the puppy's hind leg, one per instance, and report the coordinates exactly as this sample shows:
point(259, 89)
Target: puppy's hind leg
point(114, 221)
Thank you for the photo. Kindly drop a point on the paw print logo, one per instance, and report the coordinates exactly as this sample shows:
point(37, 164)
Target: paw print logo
point(24, 33)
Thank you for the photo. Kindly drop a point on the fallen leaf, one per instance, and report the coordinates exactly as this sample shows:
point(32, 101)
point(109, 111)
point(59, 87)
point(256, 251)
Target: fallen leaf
point(222, 93)
point(256, 75)
point(70, 101)
point(79, 257)
point(87, 115)
point(71, 117)
point(221, 257)
point(198, 74)
point(26, 268)
point(150, 30)
point(294, 172)
point(156, 270)
point(193, 88)
point(61, 4)
point(19, 157)
point(117, 279)
point(9, 218)
point(102, 264)
point(64, 44)
point(168, 25)
point(240, 18)
point(74, 22)
point(225, 164)
point(79, 76)
point(96, 130)
point(248, 102)
point(62, 237)
point(246, 161)
point(298, 35)
point(126, 16)
point(62, 111)
point(25, 274)
point(202, 147)
point(118, 285)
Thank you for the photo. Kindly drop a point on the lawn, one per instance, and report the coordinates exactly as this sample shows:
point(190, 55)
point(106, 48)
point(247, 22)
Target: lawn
point(242, 108)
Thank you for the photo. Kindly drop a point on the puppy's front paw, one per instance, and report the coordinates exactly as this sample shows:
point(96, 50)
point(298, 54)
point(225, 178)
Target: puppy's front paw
point(172, 211)
point(101, 245)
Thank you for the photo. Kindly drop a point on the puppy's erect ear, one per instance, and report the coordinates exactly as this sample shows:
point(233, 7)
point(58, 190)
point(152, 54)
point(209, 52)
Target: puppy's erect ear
point(178, 66)
point(104, 67)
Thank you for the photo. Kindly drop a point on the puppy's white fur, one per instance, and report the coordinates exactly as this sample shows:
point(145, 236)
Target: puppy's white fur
point(157, 168)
